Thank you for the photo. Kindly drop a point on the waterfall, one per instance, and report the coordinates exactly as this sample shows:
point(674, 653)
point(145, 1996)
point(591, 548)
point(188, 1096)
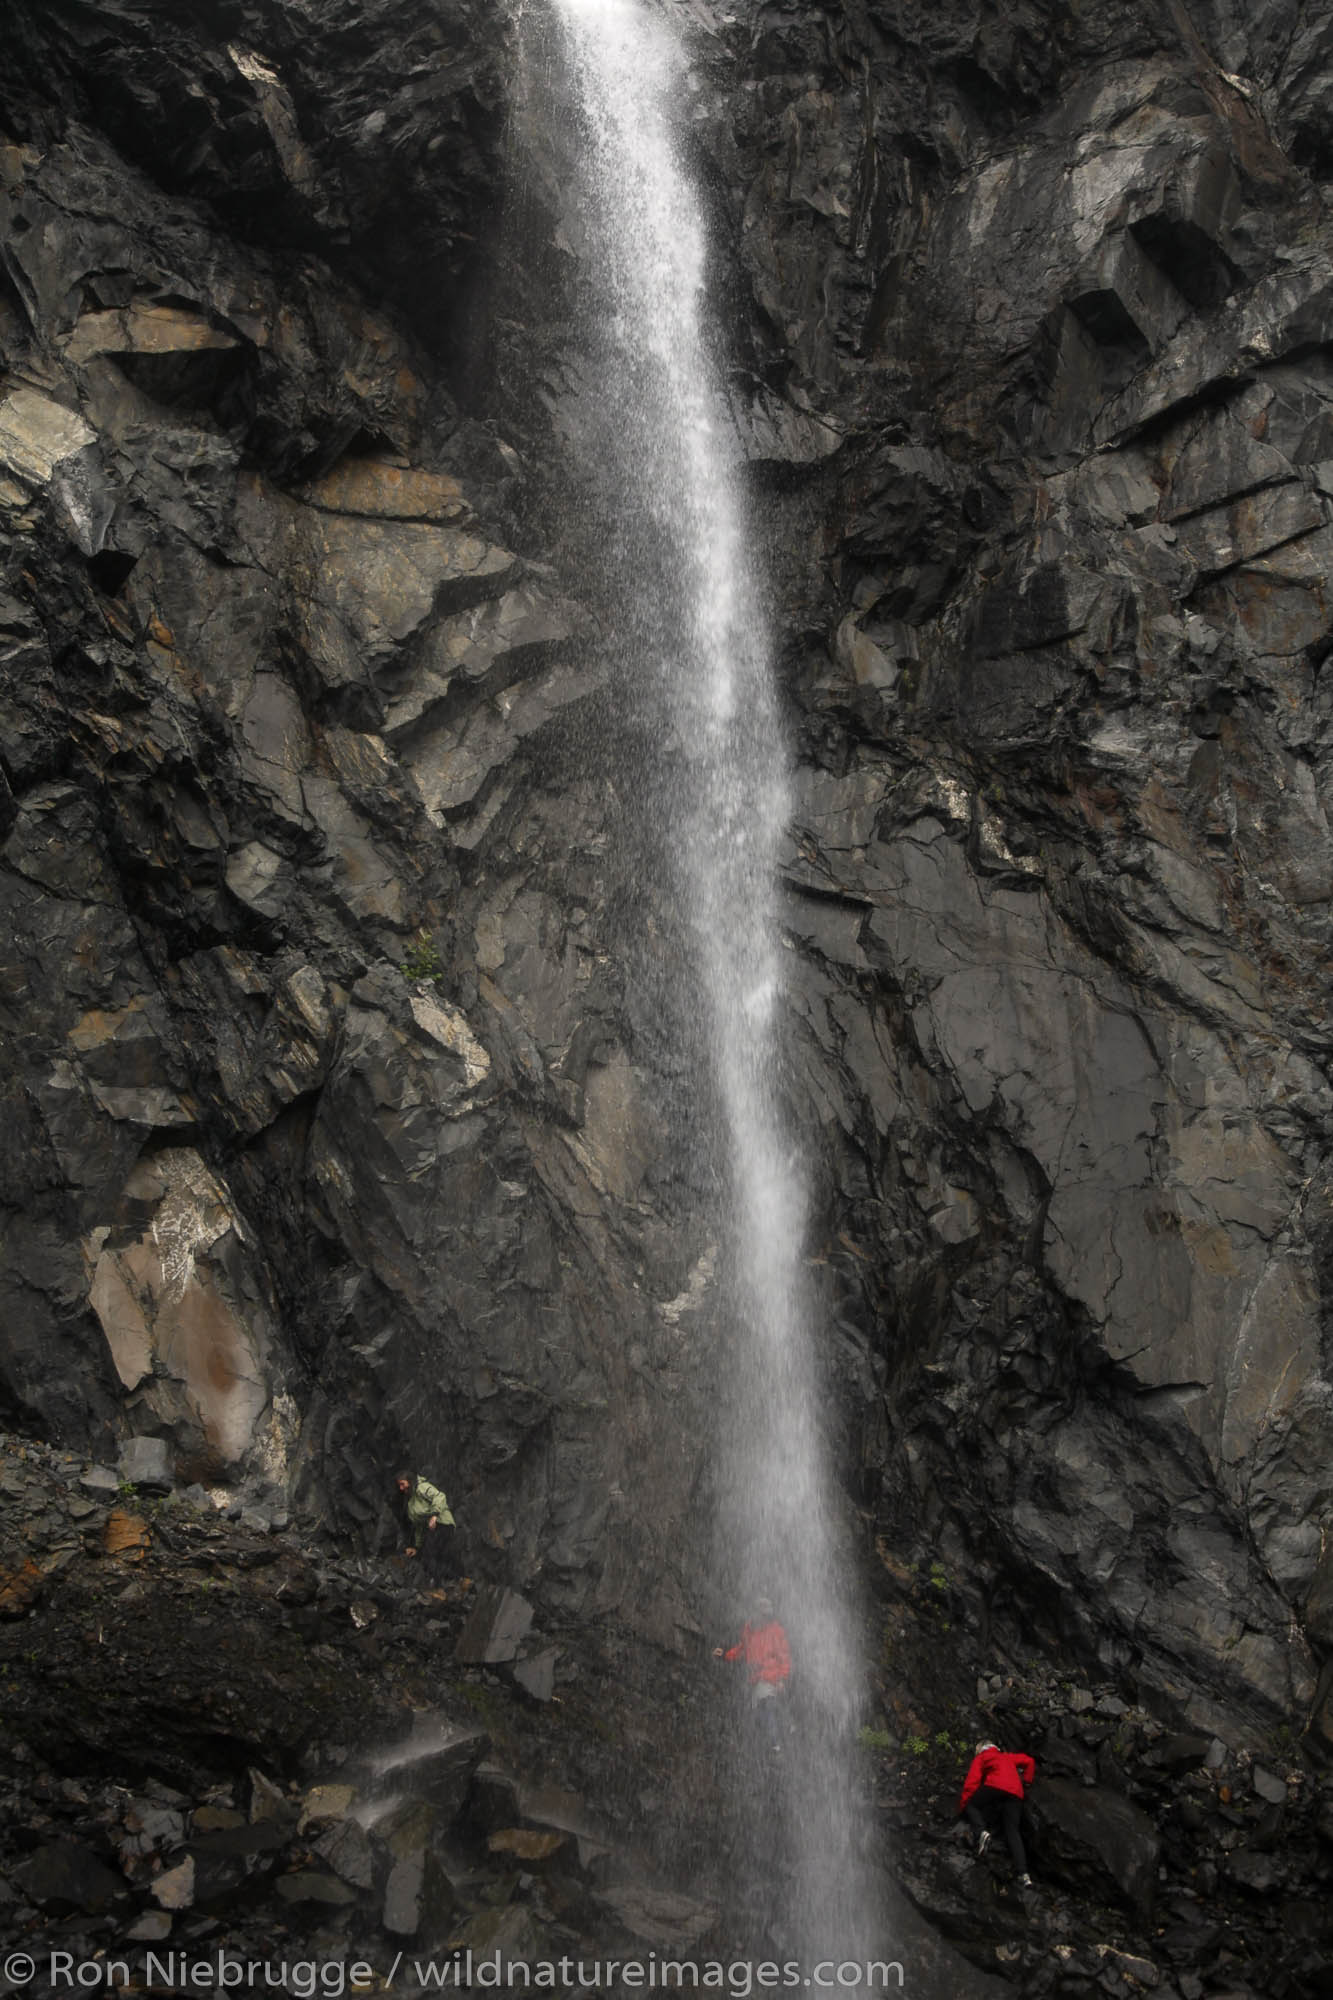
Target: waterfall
point(687, 603)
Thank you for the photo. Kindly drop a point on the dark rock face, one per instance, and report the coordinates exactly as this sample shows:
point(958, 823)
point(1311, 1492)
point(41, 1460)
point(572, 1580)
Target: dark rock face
point(1092, 1833)
point(1062, 867)
point(343, 1113)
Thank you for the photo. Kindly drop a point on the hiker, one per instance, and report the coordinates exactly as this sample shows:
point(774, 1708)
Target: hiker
point(430, 1524)
point(993, 1791)
point(764, 1649)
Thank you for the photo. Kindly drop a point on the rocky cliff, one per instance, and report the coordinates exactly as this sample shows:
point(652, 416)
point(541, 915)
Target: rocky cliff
point(342, 1105)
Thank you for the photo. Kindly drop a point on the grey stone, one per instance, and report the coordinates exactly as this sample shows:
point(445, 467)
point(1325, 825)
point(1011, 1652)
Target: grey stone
point(308, 1885)
point(1269, 1787)
point(63, 1877)
point(257, 877)
point(435, 1761)
point(401, 1915)
point(1097, 1840)
point(658, 1916)
point(160, 1825)
point(268, 1801)
point(146, 1461)
point(536, 1676)
point(496, 1627)
point(1256, 1872)
point(37, 434)
point(1177, 1752)
point(150, 1928)
point(174, 1887)
point(347, 1850)
point(1060, 867)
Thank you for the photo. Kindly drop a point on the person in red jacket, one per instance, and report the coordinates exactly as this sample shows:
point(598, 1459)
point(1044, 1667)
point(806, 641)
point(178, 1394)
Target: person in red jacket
point(993, 1791)
point(763, 1648)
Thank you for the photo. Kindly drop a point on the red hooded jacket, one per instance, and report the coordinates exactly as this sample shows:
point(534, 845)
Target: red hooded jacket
point(1009, 1771)
point(765, 1652)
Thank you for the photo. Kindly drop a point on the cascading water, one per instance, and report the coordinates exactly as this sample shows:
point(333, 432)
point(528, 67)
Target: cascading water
point(686, 605)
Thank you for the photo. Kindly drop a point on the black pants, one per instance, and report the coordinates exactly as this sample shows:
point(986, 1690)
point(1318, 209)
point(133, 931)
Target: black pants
point(436, 1554)
point(988, 1807)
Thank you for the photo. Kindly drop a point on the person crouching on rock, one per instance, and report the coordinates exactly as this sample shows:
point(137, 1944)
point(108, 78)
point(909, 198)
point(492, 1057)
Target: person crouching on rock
point(767, 1656)
point(431, 1526)
point(993, 1794)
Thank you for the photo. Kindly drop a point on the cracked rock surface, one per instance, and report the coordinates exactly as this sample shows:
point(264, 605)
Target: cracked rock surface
point(346, 1120)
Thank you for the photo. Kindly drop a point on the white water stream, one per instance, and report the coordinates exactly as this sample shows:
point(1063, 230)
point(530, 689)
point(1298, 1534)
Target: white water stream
point(692, 627)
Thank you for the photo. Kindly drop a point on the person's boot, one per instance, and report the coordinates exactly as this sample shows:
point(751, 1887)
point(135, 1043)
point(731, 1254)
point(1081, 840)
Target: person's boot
point(983, 1842)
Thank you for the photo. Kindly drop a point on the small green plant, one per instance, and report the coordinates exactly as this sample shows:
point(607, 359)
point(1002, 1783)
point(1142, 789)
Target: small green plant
point(874, 1739)
point(939, 1576)
point(918, 1745)
point(422, 960)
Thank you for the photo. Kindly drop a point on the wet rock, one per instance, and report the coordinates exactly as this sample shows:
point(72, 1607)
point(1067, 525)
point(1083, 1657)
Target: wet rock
point(496, 1627)
point(308, 1885)
point(125, 1535)
point(174, 1888)
point(268, 1801)
point(37, 434)
point(347, 1850)
point(526, 1844)
point(657, 1916)
point(536, 1676)
point(1140, 1972)
point(228, 1859)
point(62, 1877)
point(324, 1804)
point(1097, 1839)
point(150, 1928)
point(146, 1461)
point(159, 1825)
point(1026, 324)
point(1177, 1752)
point(434, 1762)
point(402, 1909)
point(20, 1588)
point(498, 1936)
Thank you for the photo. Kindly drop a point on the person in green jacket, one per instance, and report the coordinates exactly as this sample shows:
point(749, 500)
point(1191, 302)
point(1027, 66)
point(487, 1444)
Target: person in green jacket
point(430, 1524)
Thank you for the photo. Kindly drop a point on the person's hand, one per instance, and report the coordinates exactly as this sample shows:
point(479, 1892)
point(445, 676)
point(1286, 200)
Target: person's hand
point(717, 1652)
point(409, 1552)
point(434, 1521)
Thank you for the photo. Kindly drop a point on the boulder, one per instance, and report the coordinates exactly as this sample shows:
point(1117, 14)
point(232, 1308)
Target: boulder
point(146, 1461)
point(1095, 1840)
point(347, 1850)
point(309, 1885)
point(536, 1676)
point(1177, 1752)
point(496, 1627)
point(64, 1878)
point(401, 1912)
point(658, 1916)
point(434, 1762)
